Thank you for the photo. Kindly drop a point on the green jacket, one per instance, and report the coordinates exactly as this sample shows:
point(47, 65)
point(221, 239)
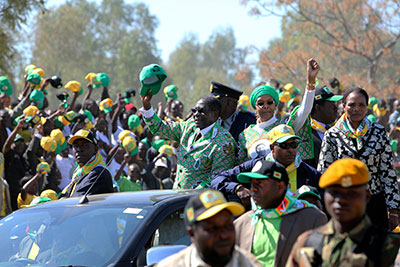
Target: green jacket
point(198, 161)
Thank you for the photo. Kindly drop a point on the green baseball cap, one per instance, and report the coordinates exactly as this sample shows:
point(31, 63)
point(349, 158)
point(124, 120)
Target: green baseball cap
point(133, 121)
point(265, 169)
point(34, 78)
point(103, 78)
point(324, 93)
point(37, 97)
point(5, 86)
point(151, 77)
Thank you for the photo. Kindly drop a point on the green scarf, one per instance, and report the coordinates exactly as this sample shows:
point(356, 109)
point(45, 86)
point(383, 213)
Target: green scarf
point(289, 204)
point(81, 172)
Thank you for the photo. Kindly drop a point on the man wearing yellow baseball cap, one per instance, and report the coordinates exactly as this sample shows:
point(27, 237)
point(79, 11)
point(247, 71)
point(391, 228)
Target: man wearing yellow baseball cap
point(283, 145)
point(349, 238)
point(91, 176)
point(209, 223)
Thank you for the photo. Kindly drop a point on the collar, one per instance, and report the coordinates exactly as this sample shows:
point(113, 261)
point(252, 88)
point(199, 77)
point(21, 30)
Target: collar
point(207, 129)
point(267, 123)
point(323, 124)
point(356, 234)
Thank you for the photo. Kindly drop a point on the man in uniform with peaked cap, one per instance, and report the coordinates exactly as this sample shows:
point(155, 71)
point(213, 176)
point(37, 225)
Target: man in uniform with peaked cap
point(231, 119)
point(349, 238)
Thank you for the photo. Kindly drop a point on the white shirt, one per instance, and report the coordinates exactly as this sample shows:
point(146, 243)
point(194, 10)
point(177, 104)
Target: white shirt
point(66, 167)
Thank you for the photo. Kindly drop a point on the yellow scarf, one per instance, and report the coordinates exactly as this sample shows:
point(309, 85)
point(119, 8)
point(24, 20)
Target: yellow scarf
point(317, 126)
point(81, 172)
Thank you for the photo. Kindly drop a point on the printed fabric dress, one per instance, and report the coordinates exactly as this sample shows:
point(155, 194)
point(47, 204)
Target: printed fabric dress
point(374, 149)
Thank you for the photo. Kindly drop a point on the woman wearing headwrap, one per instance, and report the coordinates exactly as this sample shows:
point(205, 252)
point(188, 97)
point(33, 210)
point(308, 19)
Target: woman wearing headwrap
point(253, 141)
point(354, 136)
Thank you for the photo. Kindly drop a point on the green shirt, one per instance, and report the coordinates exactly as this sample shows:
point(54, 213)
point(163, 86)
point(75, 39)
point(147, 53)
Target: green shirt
point(266, 239)
point(126, 185)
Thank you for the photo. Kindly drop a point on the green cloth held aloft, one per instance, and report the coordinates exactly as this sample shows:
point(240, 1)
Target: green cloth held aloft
point(263, 90)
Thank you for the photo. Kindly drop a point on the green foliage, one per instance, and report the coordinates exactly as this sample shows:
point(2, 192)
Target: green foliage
point(12, 15)
point(79, 37)
point(192, 66)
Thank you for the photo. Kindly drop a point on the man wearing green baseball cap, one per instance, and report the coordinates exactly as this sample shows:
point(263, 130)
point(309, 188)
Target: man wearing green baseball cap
point(323, 115)
point(276, 218)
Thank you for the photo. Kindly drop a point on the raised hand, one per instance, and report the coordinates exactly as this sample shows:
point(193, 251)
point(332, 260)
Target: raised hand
point(146, 100)
point(312, 71)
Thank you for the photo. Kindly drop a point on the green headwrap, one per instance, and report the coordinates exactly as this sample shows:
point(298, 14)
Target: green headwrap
point(263, 90)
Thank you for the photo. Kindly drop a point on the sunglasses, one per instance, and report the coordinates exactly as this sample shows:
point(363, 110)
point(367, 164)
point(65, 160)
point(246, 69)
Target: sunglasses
point(288, 145)
point(199, 110)
point(261, 104)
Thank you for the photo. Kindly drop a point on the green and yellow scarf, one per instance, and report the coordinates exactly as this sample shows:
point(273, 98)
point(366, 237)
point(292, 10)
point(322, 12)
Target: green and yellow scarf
point(343, 124)
point(81, 172)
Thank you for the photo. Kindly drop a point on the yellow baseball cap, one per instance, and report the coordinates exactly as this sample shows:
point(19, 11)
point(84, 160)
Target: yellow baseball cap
point(83, 134)
point(58, 136)
point(30, 111)
point(50, 194)
point(48, 144)
point(345, 173)
point(74, 86)
point(244, 100)
point(106, 105)
point(166, 149)
point(281, 133)
point(129, 144)
point(39, 71)
point(207, 204)
point(43, 167)
point(91, 77)
point(29, 68)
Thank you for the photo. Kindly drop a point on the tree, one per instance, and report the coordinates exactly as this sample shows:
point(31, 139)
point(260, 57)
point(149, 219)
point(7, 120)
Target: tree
point(354, 40)
point(79, 37)
point(12, 15)
point(192, 66)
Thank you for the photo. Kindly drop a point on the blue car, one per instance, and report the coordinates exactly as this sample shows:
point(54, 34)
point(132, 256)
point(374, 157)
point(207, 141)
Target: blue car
point(119, 229)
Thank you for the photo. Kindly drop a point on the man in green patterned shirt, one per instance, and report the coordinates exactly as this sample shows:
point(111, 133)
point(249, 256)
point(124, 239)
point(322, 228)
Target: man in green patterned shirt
point(205, 148)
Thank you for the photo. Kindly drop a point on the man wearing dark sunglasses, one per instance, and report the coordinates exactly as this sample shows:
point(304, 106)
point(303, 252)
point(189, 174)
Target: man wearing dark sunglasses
point(205, 148)
point(284, 144)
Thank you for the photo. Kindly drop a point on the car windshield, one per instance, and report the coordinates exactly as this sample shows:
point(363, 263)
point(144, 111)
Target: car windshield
point(79, 235)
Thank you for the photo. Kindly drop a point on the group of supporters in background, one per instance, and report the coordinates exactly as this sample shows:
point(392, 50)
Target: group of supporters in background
point(266, 151)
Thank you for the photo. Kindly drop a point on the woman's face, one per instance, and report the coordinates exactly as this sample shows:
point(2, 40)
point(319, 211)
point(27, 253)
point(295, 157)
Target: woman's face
point(265, 107)
point(355, 107)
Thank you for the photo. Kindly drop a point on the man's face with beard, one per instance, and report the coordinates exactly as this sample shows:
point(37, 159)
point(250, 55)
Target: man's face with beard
point(214, 238)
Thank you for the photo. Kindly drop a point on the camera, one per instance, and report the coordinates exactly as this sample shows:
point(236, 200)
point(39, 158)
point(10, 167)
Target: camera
point(63, 98)
point(129, 93)
point(55, 81)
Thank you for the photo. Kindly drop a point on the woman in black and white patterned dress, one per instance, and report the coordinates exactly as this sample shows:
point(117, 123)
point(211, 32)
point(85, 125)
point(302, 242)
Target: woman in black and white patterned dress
point(354, 136)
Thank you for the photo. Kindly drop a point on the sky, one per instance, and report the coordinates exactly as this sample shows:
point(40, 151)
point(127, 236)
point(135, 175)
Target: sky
point(202, 17)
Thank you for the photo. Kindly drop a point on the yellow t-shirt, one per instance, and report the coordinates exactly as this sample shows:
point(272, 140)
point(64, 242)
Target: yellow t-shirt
point(26, 202)
point(3, 207)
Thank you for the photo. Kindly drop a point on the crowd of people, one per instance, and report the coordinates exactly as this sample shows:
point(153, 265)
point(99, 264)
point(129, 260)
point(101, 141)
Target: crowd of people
point(289, 166)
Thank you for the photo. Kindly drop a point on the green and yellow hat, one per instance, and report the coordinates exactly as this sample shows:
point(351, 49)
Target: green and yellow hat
point(207, 204)
point(281, 133)
point(48, 144)
point(5, 86)
point(170, 91)
point(151, 77)
point(106, 105)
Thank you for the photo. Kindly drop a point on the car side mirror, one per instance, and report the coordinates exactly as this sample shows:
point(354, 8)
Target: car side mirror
point(157, 254)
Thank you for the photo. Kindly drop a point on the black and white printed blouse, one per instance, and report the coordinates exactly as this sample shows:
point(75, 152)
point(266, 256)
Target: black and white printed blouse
point(376, 153)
